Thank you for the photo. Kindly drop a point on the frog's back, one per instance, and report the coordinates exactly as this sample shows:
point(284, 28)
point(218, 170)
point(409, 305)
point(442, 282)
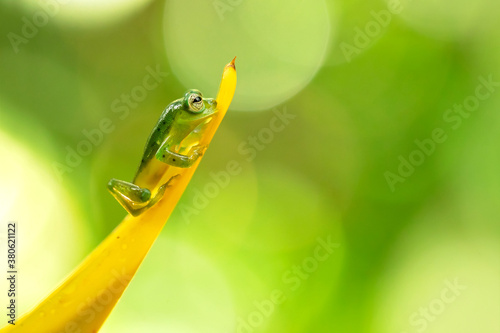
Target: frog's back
point(150, 168)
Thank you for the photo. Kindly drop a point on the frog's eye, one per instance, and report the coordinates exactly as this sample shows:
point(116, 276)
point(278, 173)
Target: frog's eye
point(195, 103)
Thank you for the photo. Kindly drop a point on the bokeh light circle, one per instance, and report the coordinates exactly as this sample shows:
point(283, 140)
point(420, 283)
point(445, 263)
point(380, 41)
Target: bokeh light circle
point(51, 236)
point(279, 48)
point(436, 279)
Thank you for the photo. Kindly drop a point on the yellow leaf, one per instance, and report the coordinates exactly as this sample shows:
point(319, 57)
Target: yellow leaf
point(85, 299)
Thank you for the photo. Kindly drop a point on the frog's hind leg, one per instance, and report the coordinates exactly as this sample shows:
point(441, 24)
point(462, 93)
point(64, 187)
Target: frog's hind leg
point(133, 198)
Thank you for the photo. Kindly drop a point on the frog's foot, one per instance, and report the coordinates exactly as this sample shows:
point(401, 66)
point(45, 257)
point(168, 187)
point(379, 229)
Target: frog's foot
point(130, 196)
point(161, 191)
point(133, 198)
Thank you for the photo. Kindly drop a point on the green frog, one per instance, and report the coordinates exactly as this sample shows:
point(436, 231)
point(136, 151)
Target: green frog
point(174, 142)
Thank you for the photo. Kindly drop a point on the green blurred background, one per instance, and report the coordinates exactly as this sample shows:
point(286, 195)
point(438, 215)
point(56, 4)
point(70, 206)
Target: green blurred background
point(333, 98)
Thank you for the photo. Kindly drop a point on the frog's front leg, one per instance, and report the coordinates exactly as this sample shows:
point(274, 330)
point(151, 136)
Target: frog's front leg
point(134, 198)
point(165, 155)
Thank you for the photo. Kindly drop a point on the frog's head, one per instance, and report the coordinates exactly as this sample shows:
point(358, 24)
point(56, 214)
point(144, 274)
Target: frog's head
point(195, 109)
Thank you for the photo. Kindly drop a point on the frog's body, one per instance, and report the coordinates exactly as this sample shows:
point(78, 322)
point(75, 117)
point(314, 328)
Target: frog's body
point(172, 143)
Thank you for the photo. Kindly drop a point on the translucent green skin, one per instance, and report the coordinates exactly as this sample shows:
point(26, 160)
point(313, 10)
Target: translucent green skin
point(173, 142)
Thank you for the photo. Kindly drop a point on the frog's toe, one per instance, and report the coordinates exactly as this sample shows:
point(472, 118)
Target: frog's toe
point(161, 189)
